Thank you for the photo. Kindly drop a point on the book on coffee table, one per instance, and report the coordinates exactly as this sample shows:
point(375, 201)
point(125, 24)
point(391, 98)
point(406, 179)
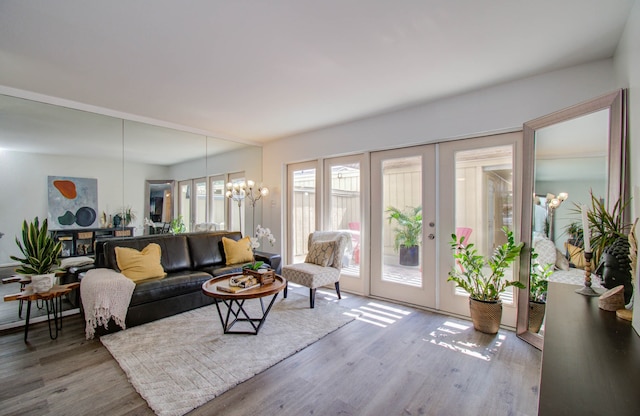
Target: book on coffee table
point(224, 287)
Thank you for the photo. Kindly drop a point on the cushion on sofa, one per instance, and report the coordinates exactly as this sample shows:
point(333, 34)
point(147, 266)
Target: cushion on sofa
point(140, 265)
point(207, 250)
point(237, 251)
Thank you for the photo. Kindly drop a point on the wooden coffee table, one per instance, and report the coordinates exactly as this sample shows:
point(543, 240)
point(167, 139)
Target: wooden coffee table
point(235, 302)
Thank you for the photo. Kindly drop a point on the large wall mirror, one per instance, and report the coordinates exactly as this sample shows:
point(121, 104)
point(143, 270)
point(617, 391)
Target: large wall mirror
point(569, 155)
point(128, 158)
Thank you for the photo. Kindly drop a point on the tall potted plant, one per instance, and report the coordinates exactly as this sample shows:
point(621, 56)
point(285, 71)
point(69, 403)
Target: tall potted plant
point(483, 279)
point(40, 252)
point(538, 284)
point(408, 233)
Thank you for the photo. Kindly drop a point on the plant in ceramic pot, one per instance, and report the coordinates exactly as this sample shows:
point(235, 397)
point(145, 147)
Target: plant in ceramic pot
point(408, 233)
point(538, 284)
point(483, 279)
point(40, 252)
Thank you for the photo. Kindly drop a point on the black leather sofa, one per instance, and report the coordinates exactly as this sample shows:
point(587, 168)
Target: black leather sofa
point(189, 260)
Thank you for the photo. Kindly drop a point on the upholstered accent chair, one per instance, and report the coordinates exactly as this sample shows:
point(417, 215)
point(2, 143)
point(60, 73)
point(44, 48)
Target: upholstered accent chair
point(322, 265)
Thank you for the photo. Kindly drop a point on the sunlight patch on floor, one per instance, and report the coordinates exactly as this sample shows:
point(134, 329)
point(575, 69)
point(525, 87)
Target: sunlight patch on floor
point(378, 314)
point(454, 337)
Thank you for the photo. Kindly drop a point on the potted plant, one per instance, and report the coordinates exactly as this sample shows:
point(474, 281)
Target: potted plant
point(605, 227)
point(40, 252)
point(408, 234)
point(538, 284)
point(177, 225)
point(483, 279)
point(124, 216)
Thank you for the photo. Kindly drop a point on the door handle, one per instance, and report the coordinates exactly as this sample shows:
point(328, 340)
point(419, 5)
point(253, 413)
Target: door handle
point(431, 236)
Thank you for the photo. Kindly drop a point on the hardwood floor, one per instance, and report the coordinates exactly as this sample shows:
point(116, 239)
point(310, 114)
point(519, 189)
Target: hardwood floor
point(393, 360)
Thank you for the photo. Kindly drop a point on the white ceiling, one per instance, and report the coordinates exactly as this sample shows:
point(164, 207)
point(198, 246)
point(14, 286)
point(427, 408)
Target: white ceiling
point(258, 70)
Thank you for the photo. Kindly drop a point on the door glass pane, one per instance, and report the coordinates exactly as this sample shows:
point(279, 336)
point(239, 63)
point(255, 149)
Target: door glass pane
point(484, 201)
point(200, 207)
point(236, 212)
point(401, 235)
point(185, 203)
point(216, 202)
point(303, 211)
point(345, 210)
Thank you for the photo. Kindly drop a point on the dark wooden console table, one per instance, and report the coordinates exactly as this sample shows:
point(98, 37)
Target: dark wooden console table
point(590, 360)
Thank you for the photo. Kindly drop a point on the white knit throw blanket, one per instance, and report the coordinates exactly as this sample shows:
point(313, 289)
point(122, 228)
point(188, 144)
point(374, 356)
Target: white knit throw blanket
point(105, 294)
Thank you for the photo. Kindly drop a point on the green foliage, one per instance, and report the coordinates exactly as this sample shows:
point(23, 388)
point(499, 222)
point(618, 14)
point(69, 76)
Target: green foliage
point(253, 266)
point(605, 226)
point(177, 225)
point(39, 249)
point(538, 279)
point(409, 230)
point(469, 272)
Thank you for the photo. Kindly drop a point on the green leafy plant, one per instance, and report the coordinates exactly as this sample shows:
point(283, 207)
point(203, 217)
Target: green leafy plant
point(40, 250)
point(605, 226)
point(126, 214)
point(539, 279)
point(483, 278)
point(253, 266)
point(409, 230)
point(177, 225)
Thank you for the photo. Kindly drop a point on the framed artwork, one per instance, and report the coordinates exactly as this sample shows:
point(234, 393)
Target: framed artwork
point(73, 202)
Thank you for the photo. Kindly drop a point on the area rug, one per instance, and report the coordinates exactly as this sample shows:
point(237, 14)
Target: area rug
point(181, 362)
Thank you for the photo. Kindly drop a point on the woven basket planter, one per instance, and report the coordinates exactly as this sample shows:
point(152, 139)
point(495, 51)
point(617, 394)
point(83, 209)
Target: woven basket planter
point(486, 316)
point(536, 315)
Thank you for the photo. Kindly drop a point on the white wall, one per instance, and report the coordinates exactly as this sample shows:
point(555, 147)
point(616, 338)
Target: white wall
point(627, 65)
point(499, 108)
point(23, 188)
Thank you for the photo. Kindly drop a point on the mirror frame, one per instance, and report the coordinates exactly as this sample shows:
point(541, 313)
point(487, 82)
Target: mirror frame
point(616, 183)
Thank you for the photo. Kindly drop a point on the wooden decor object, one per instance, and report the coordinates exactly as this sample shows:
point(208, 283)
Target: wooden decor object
point(625, 314)
point(264, 276)
point(612, 299)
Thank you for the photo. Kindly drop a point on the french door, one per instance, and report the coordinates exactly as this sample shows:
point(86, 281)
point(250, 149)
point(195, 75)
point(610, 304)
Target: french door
point(479, 194)
point(403, 182)
point(460, 187)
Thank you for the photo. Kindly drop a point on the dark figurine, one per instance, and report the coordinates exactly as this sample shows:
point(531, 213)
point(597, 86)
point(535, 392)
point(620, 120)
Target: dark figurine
point(615, 267)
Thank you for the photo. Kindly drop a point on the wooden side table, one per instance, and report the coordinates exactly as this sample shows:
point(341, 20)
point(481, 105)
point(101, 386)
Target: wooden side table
point(53, 301)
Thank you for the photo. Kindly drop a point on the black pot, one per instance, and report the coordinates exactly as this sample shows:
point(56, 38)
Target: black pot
point(410, 256)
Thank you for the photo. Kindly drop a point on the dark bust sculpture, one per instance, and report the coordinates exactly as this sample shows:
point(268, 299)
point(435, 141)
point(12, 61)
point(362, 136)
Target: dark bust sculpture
point(615, 267)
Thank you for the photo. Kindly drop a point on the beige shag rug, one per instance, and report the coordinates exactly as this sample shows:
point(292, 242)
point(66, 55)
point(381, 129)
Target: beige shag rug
point(181, 362)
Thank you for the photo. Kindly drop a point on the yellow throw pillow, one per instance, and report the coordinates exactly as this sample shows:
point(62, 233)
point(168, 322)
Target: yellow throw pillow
point(237, 251)
point(140, 265)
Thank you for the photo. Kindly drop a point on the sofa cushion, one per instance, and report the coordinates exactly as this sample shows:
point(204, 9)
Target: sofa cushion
point(207, 248)
point(237, 251)
point(174, 248)
point(175, 284)
point(140, 265)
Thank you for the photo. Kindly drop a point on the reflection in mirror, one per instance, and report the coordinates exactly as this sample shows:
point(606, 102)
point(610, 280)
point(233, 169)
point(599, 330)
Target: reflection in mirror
point(39, 139)
point(569, 154)
point(159, 209)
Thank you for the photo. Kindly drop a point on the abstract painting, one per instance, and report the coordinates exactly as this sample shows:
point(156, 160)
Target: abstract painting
point(73, 202)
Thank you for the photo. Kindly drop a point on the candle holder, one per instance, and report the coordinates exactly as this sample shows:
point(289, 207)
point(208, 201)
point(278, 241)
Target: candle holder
point(587, 290)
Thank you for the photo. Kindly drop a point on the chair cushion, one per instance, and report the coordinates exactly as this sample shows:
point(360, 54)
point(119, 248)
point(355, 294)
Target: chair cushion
point(140, 265)
point(321, 253)
point(546, 250)
point(237, 251)
point(310, 275)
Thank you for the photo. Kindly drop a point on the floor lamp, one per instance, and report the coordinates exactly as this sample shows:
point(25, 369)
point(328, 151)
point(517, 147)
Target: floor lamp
point(238, 192)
